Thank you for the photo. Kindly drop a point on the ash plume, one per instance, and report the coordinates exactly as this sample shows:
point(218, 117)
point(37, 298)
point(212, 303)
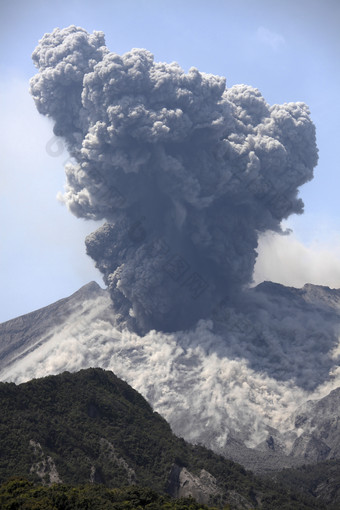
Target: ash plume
point(185, 171)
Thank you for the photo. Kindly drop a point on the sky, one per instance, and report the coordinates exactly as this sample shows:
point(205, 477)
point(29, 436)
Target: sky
point(287, 49)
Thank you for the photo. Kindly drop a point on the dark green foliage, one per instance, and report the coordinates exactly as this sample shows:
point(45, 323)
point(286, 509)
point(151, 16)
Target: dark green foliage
point(93, 424)
point(69, 414)
point(19, 494)
point(320, 480)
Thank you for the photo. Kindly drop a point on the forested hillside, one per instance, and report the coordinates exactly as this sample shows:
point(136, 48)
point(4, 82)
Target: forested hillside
point(91, 427)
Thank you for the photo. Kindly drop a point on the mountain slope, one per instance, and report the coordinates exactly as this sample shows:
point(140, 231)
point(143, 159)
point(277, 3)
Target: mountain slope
point(321, 480)
point(22, 495)
point(92, 427)
point(24, 334)
point(235, 383)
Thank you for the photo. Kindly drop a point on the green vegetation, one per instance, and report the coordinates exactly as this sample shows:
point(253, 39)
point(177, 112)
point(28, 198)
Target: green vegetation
point(92, 426)
point(22, 494)
point(320, 480)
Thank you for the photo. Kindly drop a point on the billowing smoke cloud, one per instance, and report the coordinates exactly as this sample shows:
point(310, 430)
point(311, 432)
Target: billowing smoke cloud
point(186, 172)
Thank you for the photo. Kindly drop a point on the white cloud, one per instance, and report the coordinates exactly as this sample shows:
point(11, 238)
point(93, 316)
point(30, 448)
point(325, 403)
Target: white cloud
point(285, 259)
point(272, 39)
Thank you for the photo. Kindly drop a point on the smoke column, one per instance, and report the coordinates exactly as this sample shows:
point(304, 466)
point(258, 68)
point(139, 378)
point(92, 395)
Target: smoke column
point(185, 171)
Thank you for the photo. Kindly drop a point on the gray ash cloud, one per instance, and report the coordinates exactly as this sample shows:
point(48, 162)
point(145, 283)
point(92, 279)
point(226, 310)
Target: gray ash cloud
point(185, 171)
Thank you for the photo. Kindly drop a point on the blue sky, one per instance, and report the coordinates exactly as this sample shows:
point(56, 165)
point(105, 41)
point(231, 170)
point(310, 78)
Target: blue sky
point(288, 49)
